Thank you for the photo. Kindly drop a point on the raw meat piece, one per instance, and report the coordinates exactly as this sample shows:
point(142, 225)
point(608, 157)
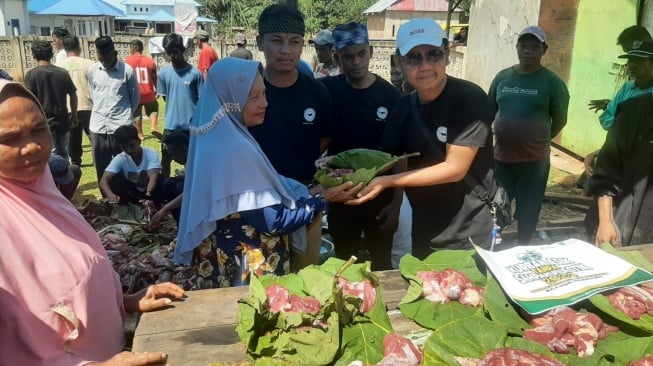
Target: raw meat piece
point(646, 361)
point(278, 298)
point(563, 326)
point(362, 290)
point(308, 305)
point(635, 301)
point(442, 287)
point(472, 296)
point(399, 351)
point(431, 288)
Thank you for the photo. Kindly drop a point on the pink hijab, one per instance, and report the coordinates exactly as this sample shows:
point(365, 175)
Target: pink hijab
point(60, 300)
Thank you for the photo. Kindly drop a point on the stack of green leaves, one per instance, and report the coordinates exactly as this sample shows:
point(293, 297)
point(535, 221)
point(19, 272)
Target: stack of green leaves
point(366, 164)
point(470, 332)
point(349, 335)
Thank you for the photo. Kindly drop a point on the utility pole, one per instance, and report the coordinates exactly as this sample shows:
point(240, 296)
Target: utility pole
point(292, 3)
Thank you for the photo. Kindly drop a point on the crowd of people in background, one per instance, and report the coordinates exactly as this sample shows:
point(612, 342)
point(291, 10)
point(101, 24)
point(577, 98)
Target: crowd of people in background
point(249, 137)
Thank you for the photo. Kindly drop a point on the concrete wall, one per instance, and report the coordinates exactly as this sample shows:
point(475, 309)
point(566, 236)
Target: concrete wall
point(16, 56)
point(493, 29)
point(594, 68)
point(14, 9)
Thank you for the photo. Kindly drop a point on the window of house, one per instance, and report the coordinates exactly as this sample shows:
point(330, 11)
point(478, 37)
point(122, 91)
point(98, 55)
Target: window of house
point(141, 10)
point(45, 31)
point(140, 25)
point(163, 28)
point(147, 9)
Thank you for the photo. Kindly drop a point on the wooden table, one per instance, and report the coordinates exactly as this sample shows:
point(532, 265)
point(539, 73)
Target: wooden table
point(201, 329)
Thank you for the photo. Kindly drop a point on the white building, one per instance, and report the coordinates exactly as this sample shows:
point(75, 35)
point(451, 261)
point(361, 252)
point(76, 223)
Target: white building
point(15, 18)
point(81, 18)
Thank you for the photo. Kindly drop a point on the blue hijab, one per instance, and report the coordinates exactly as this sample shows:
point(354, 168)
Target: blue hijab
point(227, 172)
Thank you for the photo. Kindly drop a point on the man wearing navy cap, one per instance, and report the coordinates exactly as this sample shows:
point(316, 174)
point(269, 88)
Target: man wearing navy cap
point(362, 102)
point(531, 103)
point(447, 121)
point(326, 65)
point(66, 177)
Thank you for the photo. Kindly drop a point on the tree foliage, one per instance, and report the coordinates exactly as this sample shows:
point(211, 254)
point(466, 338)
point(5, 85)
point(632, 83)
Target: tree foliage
point(319, 14)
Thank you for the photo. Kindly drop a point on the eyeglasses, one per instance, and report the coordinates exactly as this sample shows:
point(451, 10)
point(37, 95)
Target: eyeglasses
point(415, 59)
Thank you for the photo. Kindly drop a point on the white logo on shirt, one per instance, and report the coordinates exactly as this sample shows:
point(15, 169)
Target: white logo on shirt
point(309, 114)
point(382, 112)
point(441, 134)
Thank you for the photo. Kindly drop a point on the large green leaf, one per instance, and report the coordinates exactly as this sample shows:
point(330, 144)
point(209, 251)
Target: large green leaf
point(349, 335)
point(500, 309)
point(628, 350)
point(634, 257)
point(470, 337)
point(366, 164)
point(427, 313)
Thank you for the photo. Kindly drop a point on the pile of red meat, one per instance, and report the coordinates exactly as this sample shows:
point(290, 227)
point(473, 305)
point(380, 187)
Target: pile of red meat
point(399, 351)
point(139, 268)
point(442, 287)
point(635, 301)
point(509, 357)
point(363, 290)
point(563, 327)
point(280, 300)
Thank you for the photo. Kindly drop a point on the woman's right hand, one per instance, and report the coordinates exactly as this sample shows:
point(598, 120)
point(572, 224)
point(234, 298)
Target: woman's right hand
point(607, 233)
point(136, 359)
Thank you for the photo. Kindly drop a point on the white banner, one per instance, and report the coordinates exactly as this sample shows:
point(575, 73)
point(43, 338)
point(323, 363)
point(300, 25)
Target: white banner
point(541, 277)
point(185, 17)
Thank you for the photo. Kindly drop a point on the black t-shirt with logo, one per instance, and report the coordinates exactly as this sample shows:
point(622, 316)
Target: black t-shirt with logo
point(295, 120)
point(360, 115)
point(460, 115)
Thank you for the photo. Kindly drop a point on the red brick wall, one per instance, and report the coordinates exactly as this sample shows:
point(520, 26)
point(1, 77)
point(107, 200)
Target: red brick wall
point(558, 19)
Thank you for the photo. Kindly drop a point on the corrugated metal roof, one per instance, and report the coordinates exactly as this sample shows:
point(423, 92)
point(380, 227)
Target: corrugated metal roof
point(82, 8)
point(409, 5)
point(34, 6)
point(155, 2)
point(380, 6)
point(160, 16)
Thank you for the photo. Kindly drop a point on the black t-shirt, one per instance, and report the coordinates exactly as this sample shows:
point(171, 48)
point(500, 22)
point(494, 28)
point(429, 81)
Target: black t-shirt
point(460, 115)
point(51, 85)
point(360, 115)
point(295, 120)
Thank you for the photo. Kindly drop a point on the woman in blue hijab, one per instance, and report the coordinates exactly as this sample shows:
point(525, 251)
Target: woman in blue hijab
point(237, 213)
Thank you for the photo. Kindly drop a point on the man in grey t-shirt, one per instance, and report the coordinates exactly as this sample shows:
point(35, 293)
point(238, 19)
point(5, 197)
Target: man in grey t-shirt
point(115, 95)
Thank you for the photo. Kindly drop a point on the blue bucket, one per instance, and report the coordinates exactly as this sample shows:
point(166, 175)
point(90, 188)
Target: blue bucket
point(327, 250)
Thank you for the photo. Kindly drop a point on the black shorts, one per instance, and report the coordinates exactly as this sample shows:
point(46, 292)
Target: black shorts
point(152, 107)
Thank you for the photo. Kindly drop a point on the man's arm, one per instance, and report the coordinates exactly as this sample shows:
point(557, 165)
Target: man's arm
point(153, 175)
point(452, 169)
point(73, 108)
point(105, 187)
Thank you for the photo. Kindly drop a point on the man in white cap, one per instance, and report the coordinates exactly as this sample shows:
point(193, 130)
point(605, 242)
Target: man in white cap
point(531, 103)
point(326, 65)
point(207, 54)
point(447, 121)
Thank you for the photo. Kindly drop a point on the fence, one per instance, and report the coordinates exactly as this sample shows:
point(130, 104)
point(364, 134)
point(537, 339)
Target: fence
point(16, 55)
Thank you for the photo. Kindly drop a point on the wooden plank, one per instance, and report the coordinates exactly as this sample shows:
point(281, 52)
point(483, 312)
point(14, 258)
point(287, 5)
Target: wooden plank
point(558, 197)
point(574, 221)
point(201, 329)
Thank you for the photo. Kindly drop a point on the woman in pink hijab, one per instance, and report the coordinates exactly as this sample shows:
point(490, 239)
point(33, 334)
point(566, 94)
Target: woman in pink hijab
point(61, 301)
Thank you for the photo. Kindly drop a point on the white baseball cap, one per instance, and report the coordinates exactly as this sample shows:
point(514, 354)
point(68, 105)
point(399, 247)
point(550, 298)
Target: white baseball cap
point(419, 31)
